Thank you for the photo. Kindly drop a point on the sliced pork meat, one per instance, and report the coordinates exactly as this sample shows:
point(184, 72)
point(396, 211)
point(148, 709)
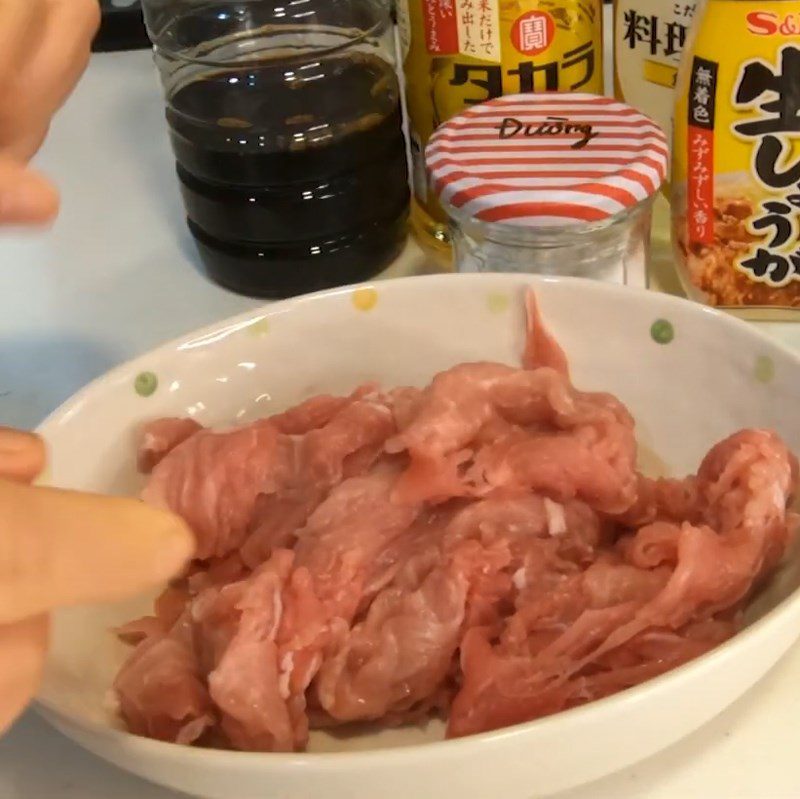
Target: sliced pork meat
point(662, 499)
point(343, 540)
point(213, 481)
point(581, 465)
point(674, 577)
point(344, 444)
point(400, 654)
point(161, 691)
point(541, 349)
point(309, 415)
point(276, 520)
point(245, 681)
point(316, 412)
point(159, 437)
point(482, 547)
point(362, 426)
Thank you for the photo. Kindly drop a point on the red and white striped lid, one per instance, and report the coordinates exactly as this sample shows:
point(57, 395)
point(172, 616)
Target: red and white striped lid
point(545, 160)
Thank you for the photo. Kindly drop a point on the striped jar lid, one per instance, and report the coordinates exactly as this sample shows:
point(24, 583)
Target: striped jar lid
point(546, 160)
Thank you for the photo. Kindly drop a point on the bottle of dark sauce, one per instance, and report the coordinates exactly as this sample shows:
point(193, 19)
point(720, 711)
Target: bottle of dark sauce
point(286, 126)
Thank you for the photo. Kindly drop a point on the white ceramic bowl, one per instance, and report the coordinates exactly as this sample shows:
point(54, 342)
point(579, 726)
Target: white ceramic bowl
point(716, 375)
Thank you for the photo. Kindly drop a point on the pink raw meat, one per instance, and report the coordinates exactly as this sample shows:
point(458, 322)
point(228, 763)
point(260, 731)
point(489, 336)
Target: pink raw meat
point(160, 437)
point(399, 655)
point(309, 415)
point(161, 691)
point(362, 425)
point(541, 349)
point(345, 445)
point(483, 547)
point(663, 499)
point(316, 412)
point(744, 485)
point(342, 542)
point(213, 480)
point(244, 683)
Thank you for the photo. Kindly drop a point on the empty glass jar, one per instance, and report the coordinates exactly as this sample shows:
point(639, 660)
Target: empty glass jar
point(551, 184)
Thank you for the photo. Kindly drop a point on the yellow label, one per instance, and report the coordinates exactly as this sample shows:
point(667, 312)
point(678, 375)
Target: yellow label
point(478, 27)
point(462, 52)
point(736, 156)
point(661, 75)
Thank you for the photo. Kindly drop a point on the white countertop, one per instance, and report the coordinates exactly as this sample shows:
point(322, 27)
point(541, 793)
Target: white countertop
point(116, 276)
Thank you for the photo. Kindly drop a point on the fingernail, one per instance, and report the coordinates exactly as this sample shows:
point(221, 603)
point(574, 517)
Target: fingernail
point(175, 551)
point(22, 455)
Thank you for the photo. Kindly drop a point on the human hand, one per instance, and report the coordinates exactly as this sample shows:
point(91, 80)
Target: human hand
point(44, 49)
point(61, 548)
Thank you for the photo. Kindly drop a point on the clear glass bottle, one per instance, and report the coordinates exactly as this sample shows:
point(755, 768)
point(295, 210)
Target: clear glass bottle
point(285, 122)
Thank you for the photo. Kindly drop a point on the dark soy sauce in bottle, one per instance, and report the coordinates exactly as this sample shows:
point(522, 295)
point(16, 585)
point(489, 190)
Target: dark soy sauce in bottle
point(291, 159)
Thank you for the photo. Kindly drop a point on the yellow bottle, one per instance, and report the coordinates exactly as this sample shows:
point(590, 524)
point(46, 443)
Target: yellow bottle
point(736, 159)
point(457, 53)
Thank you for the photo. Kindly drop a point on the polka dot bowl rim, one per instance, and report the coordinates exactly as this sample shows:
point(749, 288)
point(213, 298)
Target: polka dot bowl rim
point(403, 330)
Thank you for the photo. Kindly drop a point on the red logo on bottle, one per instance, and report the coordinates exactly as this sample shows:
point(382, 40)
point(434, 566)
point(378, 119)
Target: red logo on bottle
point(768, 23)
point(533, 32)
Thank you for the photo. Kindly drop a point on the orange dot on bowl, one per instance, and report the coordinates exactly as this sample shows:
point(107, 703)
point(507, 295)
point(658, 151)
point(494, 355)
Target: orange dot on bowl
point(365, 299)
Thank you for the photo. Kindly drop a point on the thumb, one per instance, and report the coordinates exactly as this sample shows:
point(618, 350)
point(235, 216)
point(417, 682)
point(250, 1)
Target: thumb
point(64, 547)
point(26, 197)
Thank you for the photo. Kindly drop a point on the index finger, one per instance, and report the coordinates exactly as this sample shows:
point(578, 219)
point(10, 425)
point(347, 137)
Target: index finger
point(19, 28)
point(22, 455)
point(62, 548)
point(60, 57)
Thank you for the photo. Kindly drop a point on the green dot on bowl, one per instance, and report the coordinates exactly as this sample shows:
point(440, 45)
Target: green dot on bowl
point(662, 331)
point(145, 384)
point(764, 370)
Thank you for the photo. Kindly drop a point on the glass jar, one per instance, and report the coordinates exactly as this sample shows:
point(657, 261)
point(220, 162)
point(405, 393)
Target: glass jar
point(286, 126)
point(617, 251)
point(558, 184)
